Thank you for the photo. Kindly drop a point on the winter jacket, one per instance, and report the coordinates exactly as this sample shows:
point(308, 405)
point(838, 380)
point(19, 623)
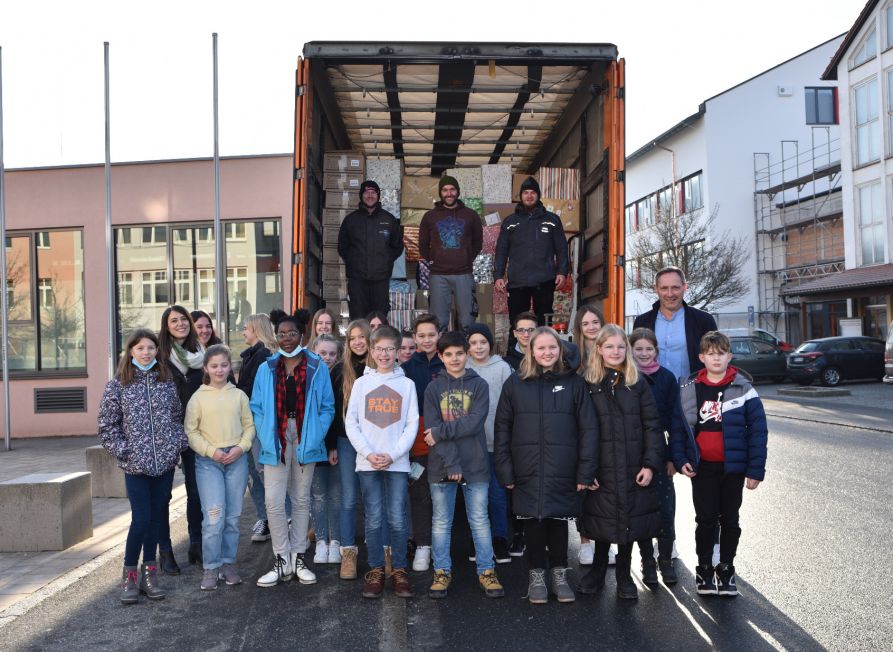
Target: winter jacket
point(571, 356)
point(697, 323)
point(744, 431)
point(369, 244)
point(187, 384)
point(337, 428)
point(252, 358)
point(513, 357)
point(495, 371)
point(457, 409)
point(451, 238)
point(536, 246)
point(545, 443)
point(665, 389)
point(630, 437)
point(420, 370)
point(218, 418)
point(140, 424)
point(319, 409)
point(382, 417)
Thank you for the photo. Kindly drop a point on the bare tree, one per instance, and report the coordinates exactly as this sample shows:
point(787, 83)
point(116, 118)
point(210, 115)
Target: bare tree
point(713, 262)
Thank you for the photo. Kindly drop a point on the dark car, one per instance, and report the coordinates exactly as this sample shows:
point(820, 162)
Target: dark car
point(759, 358)
point(833, 359)
point(888, 358)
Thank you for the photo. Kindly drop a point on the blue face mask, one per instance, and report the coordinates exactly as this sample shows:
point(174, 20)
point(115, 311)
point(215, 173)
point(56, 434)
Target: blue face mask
point(143, 367)
point(297, 350)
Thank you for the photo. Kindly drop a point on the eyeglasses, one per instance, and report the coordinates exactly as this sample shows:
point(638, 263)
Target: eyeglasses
point(384, 349)
point(524, 331)
point(287, 334)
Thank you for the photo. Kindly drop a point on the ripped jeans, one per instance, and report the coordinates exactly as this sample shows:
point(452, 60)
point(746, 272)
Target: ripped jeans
point(222, 489)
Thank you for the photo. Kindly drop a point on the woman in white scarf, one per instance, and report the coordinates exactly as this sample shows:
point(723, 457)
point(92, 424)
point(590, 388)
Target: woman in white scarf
point(180, 349)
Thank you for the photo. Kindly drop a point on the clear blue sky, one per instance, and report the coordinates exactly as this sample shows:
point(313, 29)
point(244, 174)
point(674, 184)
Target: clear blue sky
point(678, 54)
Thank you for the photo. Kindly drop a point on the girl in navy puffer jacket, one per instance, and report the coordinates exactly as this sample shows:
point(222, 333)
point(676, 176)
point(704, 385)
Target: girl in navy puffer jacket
point(140, 426)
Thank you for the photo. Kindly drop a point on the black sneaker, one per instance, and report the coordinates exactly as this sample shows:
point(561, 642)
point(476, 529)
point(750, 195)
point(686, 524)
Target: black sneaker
point(501, 551)
point(517, 548)
point(725, 579)
point(705, 577)
point(260, 531)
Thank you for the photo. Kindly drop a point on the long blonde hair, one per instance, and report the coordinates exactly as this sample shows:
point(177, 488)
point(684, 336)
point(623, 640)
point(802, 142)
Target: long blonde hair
point(529, 367)
point(348, 375)
point(263, 328)
point(595, 364)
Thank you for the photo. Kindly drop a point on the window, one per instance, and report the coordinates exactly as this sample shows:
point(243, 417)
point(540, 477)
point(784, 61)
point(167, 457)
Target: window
point(645, 212)
point(271, 229)
point(43, 239)
point(235, 230)
point(125, 288)
point(740, 347)
point(763, 347)
point(691, 194)
point(821, 106)
point(890, 108)
point(867, 51)
point(871, 223)
point(45, 292)
point(206, 287)
point(155, 290)
point(123, 236)
point(154, 235)
point(665, 204)
point(272, 283)
point(868, 129)
point(631, 224)
point(183, 283)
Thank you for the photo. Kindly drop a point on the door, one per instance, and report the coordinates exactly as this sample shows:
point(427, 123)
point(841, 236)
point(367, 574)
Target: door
point(768, 359)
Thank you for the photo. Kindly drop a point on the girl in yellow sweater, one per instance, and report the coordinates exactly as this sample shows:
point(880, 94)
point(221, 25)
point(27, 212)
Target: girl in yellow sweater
point(220, 430)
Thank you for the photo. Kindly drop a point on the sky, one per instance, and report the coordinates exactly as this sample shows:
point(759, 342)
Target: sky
point(677, 55)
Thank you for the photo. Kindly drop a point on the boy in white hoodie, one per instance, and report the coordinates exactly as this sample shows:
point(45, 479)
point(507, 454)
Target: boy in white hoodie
point(381, 422)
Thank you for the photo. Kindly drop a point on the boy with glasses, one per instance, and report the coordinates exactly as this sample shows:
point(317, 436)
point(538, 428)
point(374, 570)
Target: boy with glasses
point(523, 326)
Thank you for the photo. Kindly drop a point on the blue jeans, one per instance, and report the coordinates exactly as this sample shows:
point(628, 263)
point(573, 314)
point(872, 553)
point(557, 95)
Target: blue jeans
point(443, 500)
point(326, 502)
point(499, 504)
point(221, 488)
point(385, 491)
point(256, 487)
point(347, 471)
point(148, 496)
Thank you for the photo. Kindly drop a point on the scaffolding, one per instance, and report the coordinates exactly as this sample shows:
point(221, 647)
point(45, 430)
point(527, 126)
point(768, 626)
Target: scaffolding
point(798, 210)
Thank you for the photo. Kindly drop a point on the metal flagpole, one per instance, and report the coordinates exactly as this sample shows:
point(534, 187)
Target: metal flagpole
point(4, 304)
point(219, 235)
point(109, 234)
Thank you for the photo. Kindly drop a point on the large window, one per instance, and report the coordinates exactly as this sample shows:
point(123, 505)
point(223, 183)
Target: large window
point(871, 223)
point(45, 294)
point(821, 105)
point(867, 123)
point(867, 50)
point(691, 199)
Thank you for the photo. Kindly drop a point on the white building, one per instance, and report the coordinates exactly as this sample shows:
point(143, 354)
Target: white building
point(712, 156)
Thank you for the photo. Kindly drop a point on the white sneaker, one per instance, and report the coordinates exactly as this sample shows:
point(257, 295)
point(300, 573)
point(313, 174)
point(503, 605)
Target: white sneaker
point(281, 572)
point(422, 559)
point(321, 556)
point(612, 555)
point(303, 574)
point(715, 554)
point(334, 552)
point(587, 553)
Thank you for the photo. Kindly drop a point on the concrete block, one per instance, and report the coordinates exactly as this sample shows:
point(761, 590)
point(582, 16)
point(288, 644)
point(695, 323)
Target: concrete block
point(107, 477)
point(45, 511)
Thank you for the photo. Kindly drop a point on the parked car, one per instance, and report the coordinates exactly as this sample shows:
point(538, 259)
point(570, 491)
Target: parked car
point(761, 334)
point(888, 357)
point(759, 358)
point(833, 359)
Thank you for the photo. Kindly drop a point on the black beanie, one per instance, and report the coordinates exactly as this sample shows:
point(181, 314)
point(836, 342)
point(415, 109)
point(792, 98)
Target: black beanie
point(368, 183)
point(480, 329)
point(531, 184)
point(447, 180)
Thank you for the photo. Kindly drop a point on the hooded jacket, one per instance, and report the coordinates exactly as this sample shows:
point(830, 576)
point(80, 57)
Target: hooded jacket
point(319, 409)
point(370, 243)
point(495, 371)
point(451, 238)
point(218, 418)
point(252, 358)
point(141, 424)
point(533, 247)
point(421, 371)
point(697, 323)
point(545, 443)
point(457, 409)
point(382, 417)
point(630, 437)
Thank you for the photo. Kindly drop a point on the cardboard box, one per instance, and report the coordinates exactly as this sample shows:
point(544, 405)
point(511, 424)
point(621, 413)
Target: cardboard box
point(411, 216)
point(335, 216)
point(332, 273)
point(343, 181)
point(495, 213)
point(568, 210)
point(330, 255)
point(332, 292)
point(344, 162)
point(484, 294)
point(419, 192)
point(336, 199)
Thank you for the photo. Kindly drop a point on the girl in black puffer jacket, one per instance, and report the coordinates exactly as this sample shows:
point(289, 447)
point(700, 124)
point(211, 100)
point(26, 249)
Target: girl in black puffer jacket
point(622, 507)
point(545, 447)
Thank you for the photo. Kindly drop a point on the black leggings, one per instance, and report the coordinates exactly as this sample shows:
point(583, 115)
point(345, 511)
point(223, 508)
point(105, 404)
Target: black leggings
point(538, 534)
point(193, 506)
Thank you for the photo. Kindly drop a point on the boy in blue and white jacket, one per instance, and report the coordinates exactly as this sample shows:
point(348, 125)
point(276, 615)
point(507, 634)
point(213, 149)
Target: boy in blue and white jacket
point(719, 441)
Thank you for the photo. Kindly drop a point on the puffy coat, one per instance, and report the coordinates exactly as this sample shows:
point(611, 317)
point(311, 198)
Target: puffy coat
point(141, 424)
point(620, 511)
point(545, 443)
point(533, 246)
point(252, 359)
point(665, 389)
point(369, 244)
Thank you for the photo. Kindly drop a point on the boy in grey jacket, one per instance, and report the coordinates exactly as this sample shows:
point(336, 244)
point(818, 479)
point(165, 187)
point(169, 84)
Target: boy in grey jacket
point(456, 407)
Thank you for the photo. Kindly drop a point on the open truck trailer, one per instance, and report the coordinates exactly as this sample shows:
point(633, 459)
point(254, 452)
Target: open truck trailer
point(439, 106)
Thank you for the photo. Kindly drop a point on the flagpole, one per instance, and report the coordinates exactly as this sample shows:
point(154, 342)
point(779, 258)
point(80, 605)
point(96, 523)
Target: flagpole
point(4, 299)
point(219, 235)
point(109, 234)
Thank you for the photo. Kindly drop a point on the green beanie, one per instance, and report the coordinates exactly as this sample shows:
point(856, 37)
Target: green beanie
point(448, 181)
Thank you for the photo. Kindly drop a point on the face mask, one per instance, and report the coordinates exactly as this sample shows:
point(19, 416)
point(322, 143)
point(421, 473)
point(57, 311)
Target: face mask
point(141, 366)
point(297, 350)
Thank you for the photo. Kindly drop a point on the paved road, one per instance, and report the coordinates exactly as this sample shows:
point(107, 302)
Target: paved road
point(812, 568)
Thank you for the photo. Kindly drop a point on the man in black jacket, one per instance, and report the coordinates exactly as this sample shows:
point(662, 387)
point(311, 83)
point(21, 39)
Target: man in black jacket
point(678, 327)
point(533, 240)
point(369, 241)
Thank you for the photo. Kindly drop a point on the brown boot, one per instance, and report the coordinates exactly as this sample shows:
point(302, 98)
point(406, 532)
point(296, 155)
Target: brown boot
point(374, 583)
point(400, 582)
point(348, 563)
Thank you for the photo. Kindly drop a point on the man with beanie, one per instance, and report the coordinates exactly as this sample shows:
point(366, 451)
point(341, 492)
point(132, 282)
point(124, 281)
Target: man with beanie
point(450, 238)
point(369, 241)
point(533, 246)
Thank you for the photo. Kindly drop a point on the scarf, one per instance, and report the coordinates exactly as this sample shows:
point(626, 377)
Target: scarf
point(185, 360)
point(650, 368)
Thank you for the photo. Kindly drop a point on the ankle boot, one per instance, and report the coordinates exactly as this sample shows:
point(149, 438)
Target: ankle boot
point(195, 553)
point(594, 579)
point(667, 571)
point(167, 562)
point(130, 592)
point(626, 588)
point(649, 572)
point(149, 582)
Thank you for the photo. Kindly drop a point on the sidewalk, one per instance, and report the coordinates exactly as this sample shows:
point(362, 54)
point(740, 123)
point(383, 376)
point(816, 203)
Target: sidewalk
point(22, 574)
point(870, 405)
